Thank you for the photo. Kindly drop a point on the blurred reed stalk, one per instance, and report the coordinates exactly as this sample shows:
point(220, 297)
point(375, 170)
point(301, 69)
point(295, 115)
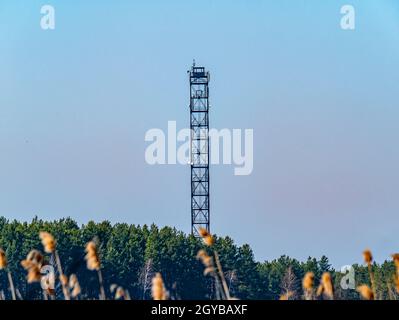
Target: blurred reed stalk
point(395, 258)
point(308, 284)
point(365, 292)
point(221, 275)
point(326, 287)
point(32, 264)
point(220, 282)
point(93, 263)
point(210, 269)
point(120, 293)
point(4, 265)
point(368, 259)
point(158, 290)
point(74, 286)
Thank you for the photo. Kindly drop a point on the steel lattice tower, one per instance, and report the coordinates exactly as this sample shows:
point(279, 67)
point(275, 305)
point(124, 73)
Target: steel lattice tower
point(199, 125)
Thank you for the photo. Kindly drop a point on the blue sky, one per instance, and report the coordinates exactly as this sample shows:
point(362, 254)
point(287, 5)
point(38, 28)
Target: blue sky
point(76, 102)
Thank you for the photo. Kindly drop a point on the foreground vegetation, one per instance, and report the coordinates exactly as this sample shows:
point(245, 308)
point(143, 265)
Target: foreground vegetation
point(104, 261)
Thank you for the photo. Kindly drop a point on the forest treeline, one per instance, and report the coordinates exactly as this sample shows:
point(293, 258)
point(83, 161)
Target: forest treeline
point(131, 255)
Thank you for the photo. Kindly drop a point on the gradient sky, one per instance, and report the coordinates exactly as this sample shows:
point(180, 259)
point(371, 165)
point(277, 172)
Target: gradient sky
point(75, 104)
